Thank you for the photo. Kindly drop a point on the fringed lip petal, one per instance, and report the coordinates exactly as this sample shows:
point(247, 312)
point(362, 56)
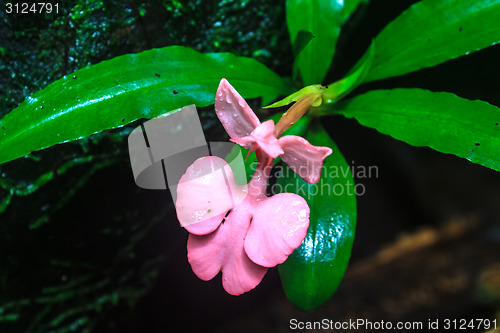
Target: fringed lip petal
point(236, 116)
point(278, 227)
point(305, 159)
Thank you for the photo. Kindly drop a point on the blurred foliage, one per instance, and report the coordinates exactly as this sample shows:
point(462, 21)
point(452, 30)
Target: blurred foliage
point(70, 243)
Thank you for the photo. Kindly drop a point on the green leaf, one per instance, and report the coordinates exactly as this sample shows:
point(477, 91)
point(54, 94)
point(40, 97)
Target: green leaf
point(440, 120)
point(314, 89)
point(433, 31)
point(116, 92)
point(303, 38)
point(313, 272)
point(323, 19)
point(334, 91)
point(350, 6)
point(354, 78)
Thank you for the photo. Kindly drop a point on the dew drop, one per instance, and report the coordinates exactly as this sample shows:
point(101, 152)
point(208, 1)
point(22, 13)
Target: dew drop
point(228, 99)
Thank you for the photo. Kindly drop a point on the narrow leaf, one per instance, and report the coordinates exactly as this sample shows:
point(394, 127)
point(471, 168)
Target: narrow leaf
point(303, 38)
point(440, 120)
point(433, 31)
point(354, 78)
point(350, 6)
point(116, 92)
point(313, 272)
point(323, 19)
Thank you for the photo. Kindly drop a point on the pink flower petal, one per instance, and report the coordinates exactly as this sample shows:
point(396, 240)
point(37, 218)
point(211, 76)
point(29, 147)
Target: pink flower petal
point(224, 250)
point(233, 111)
point(265, 136)
point(278, 227)
point(206, 254)
point(245, 141)
point(305, 159)
point(205, 193)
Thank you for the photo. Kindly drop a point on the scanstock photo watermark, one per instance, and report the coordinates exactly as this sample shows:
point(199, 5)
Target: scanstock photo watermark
point(335, 180)
point(365, 325)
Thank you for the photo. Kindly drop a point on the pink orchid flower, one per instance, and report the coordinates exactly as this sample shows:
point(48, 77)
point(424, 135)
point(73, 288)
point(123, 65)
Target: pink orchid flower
point(238, 229)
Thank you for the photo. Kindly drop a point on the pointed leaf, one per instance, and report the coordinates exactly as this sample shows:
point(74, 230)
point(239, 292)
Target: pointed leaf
point(323, 19)
point(433, 31)
point(116, 92)
point(314, 270)
point(303, 38)
point(350, 6)
point(440, 120)
point(354, 78)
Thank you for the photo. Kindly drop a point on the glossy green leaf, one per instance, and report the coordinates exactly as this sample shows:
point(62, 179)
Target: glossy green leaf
point(350, 6)
point(354, 78)
point(433, 31)
point(313, 272)
point(303, 38)
point(323, 19)
point(116, 92)
point(440, 120)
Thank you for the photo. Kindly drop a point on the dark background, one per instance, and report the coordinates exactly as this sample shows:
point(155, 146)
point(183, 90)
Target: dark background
point(90, 251)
